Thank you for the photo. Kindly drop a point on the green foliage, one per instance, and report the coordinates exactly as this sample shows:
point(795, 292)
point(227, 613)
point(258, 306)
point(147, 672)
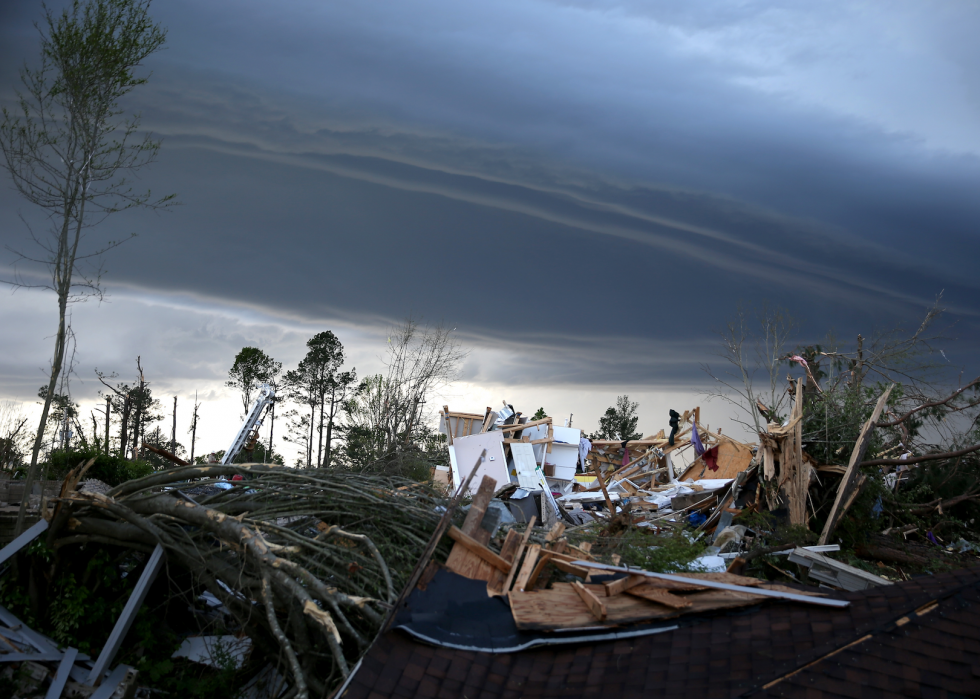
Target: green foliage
point(619, 421)
point(251, 368)
point(663, 552)
point(540, 414)
point(108, 468)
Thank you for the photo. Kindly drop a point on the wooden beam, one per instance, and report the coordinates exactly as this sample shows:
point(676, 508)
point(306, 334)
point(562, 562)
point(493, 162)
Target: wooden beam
point(595, 605)
point(518, 428)
point(474, 546)
point(460, 559)
point(509, 551)
point(538, 569)
point(555, 533)
point(605, 493)
point(857, 455)
point(701, 582)
point(565, 567)
point(623, 584)
point(509, 580)
point(530, 560)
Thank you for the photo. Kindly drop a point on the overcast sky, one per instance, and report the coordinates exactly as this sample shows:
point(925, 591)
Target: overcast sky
point(586, 190)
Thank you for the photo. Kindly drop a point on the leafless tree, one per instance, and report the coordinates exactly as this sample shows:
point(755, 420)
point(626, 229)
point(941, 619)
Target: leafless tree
point(750, 349)
point(421, 361)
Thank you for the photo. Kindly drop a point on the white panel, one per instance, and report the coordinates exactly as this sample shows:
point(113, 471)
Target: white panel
point(528, 473)
point(454, 467)
point(468, 451)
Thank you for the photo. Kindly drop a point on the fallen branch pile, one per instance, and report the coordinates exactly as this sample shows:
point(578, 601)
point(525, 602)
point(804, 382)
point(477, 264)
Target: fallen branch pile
point(308, 562)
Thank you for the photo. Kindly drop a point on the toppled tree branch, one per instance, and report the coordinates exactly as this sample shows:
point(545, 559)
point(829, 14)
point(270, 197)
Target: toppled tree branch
point(934, 404)
point(920, 459)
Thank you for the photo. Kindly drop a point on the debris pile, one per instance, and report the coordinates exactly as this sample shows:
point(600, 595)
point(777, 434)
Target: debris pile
point(302, 565)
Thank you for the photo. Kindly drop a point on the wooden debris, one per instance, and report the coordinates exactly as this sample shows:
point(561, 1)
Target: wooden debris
point(594, 604)
point(659, 595)
point(850, 477)
point(475, 547)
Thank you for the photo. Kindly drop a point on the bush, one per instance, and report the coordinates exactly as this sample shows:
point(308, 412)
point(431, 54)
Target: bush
point(107, 468)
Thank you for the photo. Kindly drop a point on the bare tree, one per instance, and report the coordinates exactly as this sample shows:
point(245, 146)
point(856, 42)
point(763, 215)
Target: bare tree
point(13, 436)
point(68, 151)
point(421, 361)
point(750, 350)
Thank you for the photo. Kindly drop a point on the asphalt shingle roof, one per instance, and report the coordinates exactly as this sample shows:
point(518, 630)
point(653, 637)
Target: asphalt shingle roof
point(876, 647)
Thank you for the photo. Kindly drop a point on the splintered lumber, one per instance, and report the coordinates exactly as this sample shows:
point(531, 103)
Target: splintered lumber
point(605, 493)
point(566, 567)
point(798, 476)
point(555, 532)
point(659, 595)
point(474, 546)
point(561, 607)
point(518, 428)
point(594, 604)
point(462, 560)
point(615, 587)
point(509, 580)
point(538, 569)
point(508, 552)
point(778, 594)
point(527, 568)
point(850, 476)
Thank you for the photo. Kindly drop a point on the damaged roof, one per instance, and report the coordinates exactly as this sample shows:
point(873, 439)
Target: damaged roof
point(916, 638)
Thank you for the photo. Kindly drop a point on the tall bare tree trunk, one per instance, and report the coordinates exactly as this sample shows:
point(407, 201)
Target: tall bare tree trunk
point(108, 409)
point(59, 356)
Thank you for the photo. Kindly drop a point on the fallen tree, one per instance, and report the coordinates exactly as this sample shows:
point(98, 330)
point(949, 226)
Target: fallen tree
point(323, 554)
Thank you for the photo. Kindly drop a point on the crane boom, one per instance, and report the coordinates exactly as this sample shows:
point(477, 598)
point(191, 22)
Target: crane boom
point(252, 423)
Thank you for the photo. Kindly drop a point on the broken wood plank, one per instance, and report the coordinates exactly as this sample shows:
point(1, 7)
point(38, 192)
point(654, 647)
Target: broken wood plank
point(461, 560)
point(473, 546)
point(555, 533)
point(652, 593)
point(530, 561)
point(857, 455)
point(509, 580)
point(616, 587)
point(518, 428)
point(605, 493)
point(495, 585)
point(561, 608)
point(718, 585)
point(565, 567)
point(594, 604)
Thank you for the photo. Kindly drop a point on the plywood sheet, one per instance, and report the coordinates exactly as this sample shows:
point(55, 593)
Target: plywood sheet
point(562, 608)
point(733, 458)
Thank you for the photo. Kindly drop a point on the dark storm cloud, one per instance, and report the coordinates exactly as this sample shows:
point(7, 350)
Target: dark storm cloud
point(593, 185)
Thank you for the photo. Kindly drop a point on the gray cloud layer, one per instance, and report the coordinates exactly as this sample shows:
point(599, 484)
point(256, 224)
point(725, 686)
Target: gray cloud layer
point(595, 185)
